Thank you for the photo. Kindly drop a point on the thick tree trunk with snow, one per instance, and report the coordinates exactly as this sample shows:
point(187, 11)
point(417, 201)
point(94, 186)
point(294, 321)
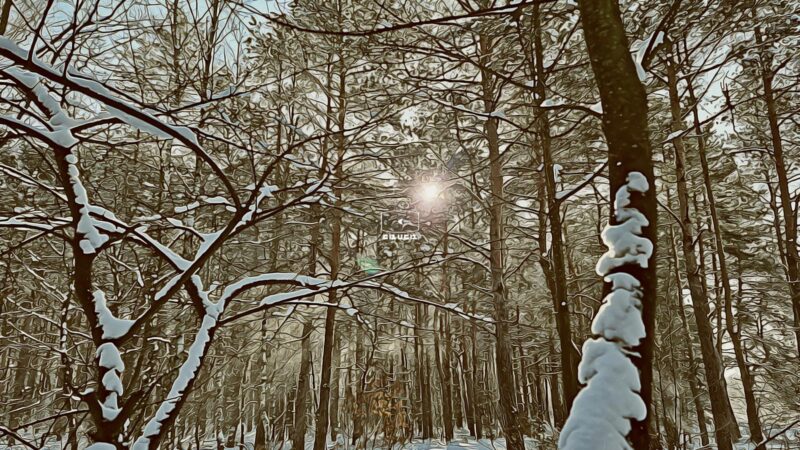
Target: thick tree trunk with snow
point(625, 126)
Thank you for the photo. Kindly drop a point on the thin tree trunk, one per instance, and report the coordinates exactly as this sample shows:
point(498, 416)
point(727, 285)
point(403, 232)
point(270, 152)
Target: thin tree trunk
point(784, 190)
point(469, 389)
point(443, 362)
point(692, 375)
point(556, 266)
point(323, 412)
point(559, 412)
point(261, 421)
point(4, 16)
point(423, 385)
point(334, 388)
point(507, 407)
point(714, 371)
point(753, 420)
point(443, 369)
point(303, 388)
point(477, 404)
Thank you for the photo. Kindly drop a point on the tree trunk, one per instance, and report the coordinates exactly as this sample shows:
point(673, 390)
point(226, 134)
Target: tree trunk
point(692, 375)
point(714, 371)
point(261, 421)
point(625, 127)
point(477, 404)
point(507, 407)
point(423, 385)
point(753, 420)
point(556, 264)
point(303, 387)
point(322, 416)
point(469, 388)
point(784, 191)
point(443, 362)
point(334, 388)
point(443, 369)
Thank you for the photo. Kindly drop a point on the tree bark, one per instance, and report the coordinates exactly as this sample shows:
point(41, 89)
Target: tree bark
point(421, 366)
point(507, 407)
point(333, 415)
point(625, 127)
point(303, 387)
point(469, 389)
point(323, 413)
point(712, 362)
point(753, 420)
point(443, 369)
point(687, 334)
point(261, 421)
point(784, 191)
point(477, 404)
point(556, 267)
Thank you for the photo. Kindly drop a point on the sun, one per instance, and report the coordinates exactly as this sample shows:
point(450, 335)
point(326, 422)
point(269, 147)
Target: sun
point(429, 192)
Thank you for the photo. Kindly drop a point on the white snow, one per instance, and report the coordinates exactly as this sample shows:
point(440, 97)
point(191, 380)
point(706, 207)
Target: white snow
point(112, 382)
point(101, 446)
point(550, 103)
point(675, 134)
point(189, 207)
point(136, 117)
point(267, 190)
point(113, 328)
point(58, 121)
point(619, 317)
point(87, 227)
point(186, 374)
point(557, 168)
point(177, 260)
point(640, 48)
point(109, 357)
point(625, 245)
point(602, 411)
point(216, 201)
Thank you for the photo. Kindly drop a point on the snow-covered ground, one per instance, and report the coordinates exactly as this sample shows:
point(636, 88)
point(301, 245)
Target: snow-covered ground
point(461, 441)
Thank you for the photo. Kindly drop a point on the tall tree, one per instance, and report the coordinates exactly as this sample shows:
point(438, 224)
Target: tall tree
point(631, 236)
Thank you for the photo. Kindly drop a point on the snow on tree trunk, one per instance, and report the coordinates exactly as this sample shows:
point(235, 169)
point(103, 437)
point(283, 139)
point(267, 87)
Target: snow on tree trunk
point(603, 409)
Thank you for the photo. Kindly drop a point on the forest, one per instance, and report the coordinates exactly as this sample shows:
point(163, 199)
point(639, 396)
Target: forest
point(399, 224)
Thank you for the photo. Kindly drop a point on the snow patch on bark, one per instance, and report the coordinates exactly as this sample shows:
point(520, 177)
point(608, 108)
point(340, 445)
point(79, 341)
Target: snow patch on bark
point(602, 411)
point(87, 226)
point(108, 357)
point(113, 328)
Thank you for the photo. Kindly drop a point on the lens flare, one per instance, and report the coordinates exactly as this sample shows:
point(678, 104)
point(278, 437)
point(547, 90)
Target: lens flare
point(429, 192)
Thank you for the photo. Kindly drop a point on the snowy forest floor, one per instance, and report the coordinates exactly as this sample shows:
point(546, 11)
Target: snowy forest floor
point(461, 441)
